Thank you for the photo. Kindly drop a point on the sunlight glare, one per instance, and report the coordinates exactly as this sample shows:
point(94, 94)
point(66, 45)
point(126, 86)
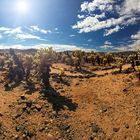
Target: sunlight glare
point(22, 6)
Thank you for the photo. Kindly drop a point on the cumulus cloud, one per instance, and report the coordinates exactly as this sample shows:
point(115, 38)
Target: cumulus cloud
point(80, 16)
point(10, 31)
point(136, 36)
point(2, 29)
point(97, 4)
point(28, 36)
point(136, 41)
point(133, 46)
point(113, 30)
point(107, 45)
point(130, 7)
point(36, 28)
point(23, 33)
point(93, 24)
point(127, 15)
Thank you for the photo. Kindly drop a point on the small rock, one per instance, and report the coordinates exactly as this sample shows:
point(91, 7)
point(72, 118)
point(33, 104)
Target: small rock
point(29, 133)
point(62, 90)
point(64, 127)
point(1, 114)
point(22, 97)
point(50, 137)
point(116, 129)
point(54, 113)
point(42, 129)
point(92, 137)
point(125, 90)
point(126, 126)
point(103, 110)
point(19, 128)
point(38, 107)
point(77, 84)
point(27, 110)
point(95, 128)
point(29, 103)
point(16, 137)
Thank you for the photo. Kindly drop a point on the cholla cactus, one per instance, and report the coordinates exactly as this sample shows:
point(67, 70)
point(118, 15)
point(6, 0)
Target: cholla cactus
point(79, 54)
point(120, 64)
point(104, 61)
point(28, 63)
point(2, 62)
point(43, 58)
point(138, 72)
point(15, 70)
point(109, 58)
point(91, 58)
point(77, 63)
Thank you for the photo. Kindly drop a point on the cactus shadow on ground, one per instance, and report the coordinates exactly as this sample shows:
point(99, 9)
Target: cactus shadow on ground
point(58, 101)
point(60, 79)
point(30, 87)
point(82, 71)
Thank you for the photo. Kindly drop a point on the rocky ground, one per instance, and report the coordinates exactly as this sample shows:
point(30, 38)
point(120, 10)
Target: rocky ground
point(103, 105)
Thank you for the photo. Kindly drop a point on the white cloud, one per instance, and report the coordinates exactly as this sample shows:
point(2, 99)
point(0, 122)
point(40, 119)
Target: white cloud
point(93, 24)
point(56, 29)
point(89, 40)
point(10, 31)
point(56, 47)
point(27, 36)
point(72, 35)
point(136, 41)
point(80, 16)
point(0, 36)
point(36, 28)
point(136, 36)
point(107, 45)
point(130, 7)
point(97, 4)
point(127, 15)
point(22, 33)
point(4, 29)
point(84, 44)
point(121, 49)
point(113, 30)
point(133, 46)
point(104, 47)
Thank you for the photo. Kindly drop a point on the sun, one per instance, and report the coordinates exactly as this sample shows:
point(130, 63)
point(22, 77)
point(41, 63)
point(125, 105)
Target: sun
point(22, 6)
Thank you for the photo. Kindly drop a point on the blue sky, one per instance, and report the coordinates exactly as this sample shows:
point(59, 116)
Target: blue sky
point(99, 25)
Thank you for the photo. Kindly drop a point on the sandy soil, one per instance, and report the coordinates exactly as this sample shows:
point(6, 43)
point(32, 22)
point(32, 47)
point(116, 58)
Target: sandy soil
point(104, 107)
